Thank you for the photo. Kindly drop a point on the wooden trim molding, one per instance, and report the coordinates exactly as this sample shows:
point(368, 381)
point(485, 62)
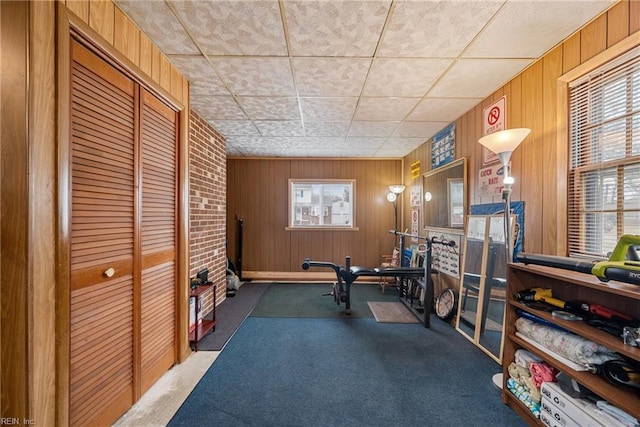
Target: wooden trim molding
point(94, 41)
point(562, 142)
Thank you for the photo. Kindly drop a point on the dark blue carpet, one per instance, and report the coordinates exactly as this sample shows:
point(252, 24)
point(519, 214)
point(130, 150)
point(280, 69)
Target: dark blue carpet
point(346, 372)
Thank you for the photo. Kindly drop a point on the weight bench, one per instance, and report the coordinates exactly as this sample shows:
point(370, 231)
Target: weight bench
point(347, 274)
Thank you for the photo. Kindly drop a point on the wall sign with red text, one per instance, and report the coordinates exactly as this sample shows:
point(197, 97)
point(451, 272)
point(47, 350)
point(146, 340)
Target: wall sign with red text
point(494, 118)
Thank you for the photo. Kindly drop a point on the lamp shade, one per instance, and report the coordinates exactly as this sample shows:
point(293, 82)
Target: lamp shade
point(504, 141)
point(397, 188)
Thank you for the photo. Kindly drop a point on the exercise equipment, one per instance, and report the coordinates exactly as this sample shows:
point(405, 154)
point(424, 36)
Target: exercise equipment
point(348, 274)
point(623, 264)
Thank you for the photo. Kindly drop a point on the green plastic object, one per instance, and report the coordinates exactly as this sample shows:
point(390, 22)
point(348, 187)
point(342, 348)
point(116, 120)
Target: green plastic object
point(618, 267)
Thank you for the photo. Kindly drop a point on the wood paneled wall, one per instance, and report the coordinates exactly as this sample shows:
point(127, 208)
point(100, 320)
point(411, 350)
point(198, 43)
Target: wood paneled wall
point(14, 230)
point(30, 363)
point(539, 165)
point(104, 17)
point(257, 192)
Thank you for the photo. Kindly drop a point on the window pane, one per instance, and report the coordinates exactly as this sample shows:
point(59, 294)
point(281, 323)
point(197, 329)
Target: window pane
point(321, 204)
point(635, 97)
point(635, 144)
point(614, 100)
point(632, 223)
point(604, 184)
point(632, 187)
point(613, 140)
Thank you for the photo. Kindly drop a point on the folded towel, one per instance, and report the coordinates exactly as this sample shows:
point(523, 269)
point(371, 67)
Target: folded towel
point(523, 396)
point(541, 372)
point(525, 357)
point(523, 377)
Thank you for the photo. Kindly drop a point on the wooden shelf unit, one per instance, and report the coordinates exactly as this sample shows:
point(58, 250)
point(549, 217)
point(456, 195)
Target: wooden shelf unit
point(570, 286)
point(207, 324)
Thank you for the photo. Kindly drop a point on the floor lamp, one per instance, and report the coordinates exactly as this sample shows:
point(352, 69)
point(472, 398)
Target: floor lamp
point(392, 196)
point(395, 191)
point(503, 143)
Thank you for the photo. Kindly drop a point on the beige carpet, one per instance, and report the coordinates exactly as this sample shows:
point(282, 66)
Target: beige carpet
point(392, 312)
point(158, 405)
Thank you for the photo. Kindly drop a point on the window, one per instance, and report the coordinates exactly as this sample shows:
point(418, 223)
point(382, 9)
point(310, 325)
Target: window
point(321, 204)
point(604, 168)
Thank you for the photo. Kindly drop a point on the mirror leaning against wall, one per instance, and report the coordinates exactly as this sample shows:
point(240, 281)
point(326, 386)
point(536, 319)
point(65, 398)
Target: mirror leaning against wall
point(483, 284)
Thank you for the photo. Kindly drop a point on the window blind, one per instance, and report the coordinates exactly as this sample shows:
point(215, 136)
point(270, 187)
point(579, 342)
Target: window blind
point(604, 169)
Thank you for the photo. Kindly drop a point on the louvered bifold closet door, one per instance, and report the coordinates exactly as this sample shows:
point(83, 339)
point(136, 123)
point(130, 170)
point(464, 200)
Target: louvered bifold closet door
point(158, 239)
point(101, 240)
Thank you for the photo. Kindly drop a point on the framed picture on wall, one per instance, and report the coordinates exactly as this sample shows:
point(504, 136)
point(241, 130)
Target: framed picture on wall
point(443, 146)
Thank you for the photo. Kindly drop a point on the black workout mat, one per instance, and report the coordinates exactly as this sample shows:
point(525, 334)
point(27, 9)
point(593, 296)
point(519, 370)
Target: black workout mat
point(231, 313)
point(307, 300)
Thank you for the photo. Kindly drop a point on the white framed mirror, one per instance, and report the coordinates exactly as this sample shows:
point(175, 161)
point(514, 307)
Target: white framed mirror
point(483, 282)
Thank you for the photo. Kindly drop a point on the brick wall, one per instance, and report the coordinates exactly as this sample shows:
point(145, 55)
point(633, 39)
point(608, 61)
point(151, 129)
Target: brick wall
point(207, 205)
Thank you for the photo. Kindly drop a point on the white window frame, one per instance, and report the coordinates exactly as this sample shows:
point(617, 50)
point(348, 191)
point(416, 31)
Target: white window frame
point(593, 227)
point(313, 190)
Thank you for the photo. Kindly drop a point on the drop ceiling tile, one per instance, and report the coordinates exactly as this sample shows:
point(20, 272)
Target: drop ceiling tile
point(213, 108)
point(202, 78)
point(408, 144)
point(391, 153)
point(330, 76)
point(345, 153)
point(268, 151)
point(270, 108)
point(364, 142)
point(236, 128)
point(328, 109)
point(159, 23)
point(410, 77)
point(280, 127)
point(333, 143)
point(477, 78)
point(335, 28)
point(207, 88)
point(256, 76)
point(371, 128)
point(422, 130)
point(533, 27)
point(390, 108)
point(438, 29)
point(194, 67)
point(442, 109)
point(234, 27)
point(233, 151)
point(243, 142)
point(326, 128)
